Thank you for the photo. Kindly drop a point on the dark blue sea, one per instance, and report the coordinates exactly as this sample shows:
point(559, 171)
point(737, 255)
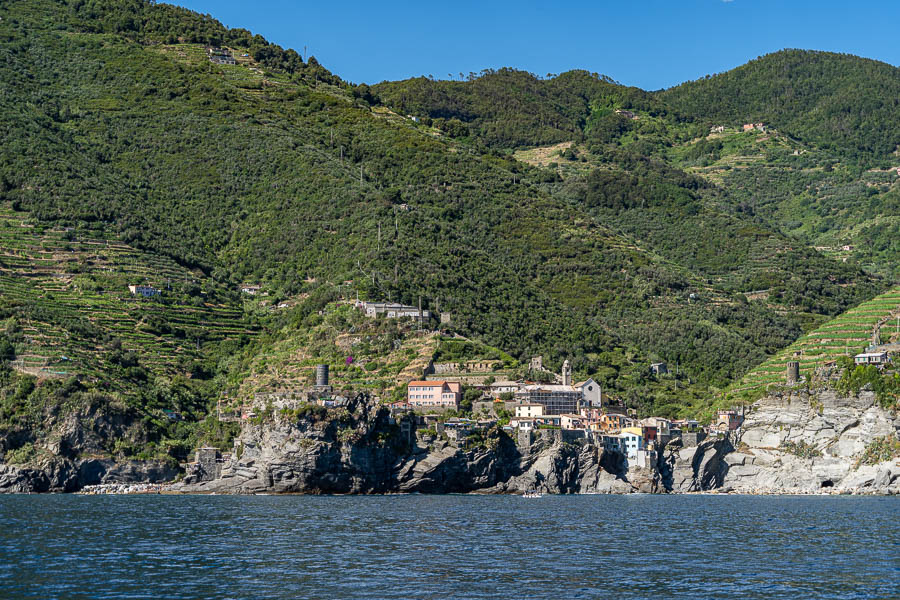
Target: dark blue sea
point(291, 547)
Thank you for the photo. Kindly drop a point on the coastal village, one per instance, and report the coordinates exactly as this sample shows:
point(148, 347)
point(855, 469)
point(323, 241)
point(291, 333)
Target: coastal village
point(540, 404)
point(458, 403)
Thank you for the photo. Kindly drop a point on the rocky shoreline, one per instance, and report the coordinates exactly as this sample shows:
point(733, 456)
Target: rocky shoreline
point(362, 449)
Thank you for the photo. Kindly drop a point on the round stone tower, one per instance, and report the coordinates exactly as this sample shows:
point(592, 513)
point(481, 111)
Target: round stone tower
point(793, 372)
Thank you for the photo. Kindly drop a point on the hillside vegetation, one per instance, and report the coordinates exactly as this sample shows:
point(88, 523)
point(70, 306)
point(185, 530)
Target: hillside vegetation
point(836, 101)
point(130, 158)
point(844, 336)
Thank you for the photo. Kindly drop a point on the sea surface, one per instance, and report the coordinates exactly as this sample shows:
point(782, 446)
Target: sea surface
point(291, 547)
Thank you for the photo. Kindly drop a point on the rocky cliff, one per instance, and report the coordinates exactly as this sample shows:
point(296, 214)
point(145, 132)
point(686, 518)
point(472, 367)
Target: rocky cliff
point(802, 442)
point(360, 449)
point(790, 443)
point(68, 450)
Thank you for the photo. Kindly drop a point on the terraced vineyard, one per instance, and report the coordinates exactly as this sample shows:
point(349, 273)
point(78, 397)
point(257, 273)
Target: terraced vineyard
point(67, 304)
point(362, 353)
point(845, 335)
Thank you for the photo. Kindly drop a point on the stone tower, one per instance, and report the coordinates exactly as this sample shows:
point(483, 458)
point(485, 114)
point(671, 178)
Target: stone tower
point(792, 377)
point(566, 373)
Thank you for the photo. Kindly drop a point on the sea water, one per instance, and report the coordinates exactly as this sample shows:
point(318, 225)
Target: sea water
point(287, 547)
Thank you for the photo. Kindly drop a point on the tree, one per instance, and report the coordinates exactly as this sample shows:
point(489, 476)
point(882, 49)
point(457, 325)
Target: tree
point(470, 395)
point(7, 350)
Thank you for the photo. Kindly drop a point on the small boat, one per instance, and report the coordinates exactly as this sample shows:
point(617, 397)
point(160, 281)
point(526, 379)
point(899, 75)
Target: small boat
point(532, 493)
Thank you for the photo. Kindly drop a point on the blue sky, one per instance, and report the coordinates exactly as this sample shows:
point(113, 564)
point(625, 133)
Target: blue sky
point(651, 43)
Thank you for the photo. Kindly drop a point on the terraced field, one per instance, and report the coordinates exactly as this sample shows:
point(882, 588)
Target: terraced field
point(845, 335)
point(67, 304)
point(364, 354)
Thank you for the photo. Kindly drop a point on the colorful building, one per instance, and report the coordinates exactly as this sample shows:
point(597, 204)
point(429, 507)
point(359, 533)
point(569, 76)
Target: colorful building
point(438, 395)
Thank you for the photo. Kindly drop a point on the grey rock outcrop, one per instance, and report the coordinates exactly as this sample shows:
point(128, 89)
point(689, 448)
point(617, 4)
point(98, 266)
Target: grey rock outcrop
point(361, 451)
point(831, 430)
point(58, 474)
point(695, 468)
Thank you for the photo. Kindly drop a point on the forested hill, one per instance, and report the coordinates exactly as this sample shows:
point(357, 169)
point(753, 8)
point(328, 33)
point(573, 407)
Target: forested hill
point(836, 101)
point(130, 157)
point(508, 108)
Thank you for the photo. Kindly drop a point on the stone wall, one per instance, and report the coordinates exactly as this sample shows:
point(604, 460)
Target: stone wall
point(693, 438)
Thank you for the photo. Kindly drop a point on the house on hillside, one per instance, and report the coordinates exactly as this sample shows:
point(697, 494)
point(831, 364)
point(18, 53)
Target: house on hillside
point(871, 358)
point(729, 419)
point(434, 395)
point(143, 290)
point(502, 387)
point(250, 289)
point(631, 440)
point(220, 56)
point(530, 410)
point(392, 310)
point(572, 422)
point(717, 129)
point(612, 423)
point(659, 368)
point(626, 113)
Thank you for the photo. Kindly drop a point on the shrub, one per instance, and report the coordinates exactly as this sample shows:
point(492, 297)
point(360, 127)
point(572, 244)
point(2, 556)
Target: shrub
point(801, 449)
point(879, 450)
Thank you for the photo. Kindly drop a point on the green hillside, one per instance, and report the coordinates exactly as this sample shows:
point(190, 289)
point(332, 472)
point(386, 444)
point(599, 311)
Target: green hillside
point(844, 336)
point(254, 173)
point(508, 108)
point(836, 101)
point(129, 157)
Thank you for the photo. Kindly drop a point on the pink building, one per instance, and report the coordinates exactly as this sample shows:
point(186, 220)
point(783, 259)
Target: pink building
point(434, 394)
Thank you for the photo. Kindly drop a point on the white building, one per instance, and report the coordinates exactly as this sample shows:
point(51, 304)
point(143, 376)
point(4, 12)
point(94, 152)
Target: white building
point(143, 290)
point(631, 442)
point(530, 410)
point(522, 423)
point(392, 310)
point(591, 394)
point(871, 358)
point(502, 387)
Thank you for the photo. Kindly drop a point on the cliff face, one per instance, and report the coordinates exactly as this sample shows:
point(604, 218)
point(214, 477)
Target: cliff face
point(802, 443)
point(790, 443)
point(70, 451)
point(362, 451)
point(695, 468)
